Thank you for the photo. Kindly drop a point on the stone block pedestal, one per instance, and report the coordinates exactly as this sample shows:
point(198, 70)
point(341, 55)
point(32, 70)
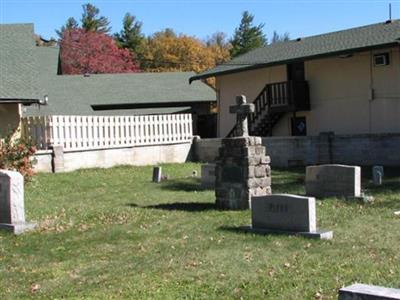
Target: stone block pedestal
point(242, 171)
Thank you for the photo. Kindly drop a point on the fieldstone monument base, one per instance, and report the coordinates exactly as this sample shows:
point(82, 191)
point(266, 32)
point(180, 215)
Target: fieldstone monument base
point(333, 181)
point(286, 214)
point(242, 171)
point(368, 292)
point(12, 212)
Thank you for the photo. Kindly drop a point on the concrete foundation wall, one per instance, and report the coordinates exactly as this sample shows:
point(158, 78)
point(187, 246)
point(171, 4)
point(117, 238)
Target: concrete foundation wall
point(106, 158)
point(363, 149)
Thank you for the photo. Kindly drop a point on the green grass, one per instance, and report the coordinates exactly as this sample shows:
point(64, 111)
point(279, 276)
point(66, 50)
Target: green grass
point(112, 234)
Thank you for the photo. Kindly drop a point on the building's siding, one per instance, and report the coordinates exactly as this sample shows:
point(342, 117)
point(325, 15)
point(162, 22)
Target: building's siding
point(249, 84)
point(9, 118)
point(340, 94)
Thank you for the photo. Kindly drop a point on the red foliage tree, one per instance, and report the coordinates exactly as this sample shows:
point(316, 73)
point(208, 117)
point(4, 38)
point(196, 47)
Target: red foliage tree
point(89, 52)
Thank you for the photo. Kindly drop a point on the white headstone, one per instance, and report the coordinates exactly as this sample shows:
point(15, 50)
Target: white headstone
point(208, 176)
point(285, 213)
point(157, 174)
point(333, 180)
point(12, 212)
point(377, 175)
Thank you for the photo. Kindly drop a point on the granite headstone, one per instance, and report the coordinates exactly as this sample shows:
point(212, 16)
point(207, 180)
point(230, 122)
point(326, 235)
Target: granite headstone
point(12, 212)
point(333, 181)
point(286, 213)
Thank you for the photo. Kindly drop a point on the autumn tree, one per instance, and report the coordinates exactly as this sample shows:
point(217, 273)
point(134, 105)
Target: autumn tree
point(131, 36)
point(70, 24)
point(220, 47)
point(277, 38)
point(91, 21)
point(90, 52)
point(168, 51)
point(247, 36)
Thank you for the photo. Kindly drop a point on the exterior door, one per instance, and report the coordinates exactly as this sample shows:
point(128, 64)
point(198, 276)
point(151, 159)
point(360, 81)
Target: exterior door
point(295, 71)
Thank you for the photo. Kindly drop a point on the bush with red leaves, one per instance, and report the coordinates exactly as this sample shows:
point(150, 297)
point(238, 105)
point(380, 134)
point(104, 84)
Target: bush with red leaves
point(16, 155)
point(89, 52)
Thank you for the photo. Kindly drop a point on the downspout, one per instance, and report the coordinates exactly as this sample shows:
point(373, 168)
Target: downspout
point(371, 93)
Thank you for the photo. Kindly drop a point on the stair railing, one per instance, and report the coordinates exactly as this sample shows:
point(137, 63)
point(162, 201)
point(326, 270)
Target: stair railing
point(273, 95)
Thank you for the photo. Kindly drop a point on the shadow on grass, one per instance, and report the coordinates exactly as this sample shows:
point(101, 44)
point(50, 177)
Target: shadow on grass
point(180, 206)
point(186, 185)
point(247, 230)
point(288, 186)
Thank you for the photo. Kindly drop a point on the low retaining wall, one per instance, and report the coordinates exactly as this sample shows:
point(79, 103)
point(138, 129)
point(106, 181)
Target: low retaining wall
point(363, 149)
point(60, 161)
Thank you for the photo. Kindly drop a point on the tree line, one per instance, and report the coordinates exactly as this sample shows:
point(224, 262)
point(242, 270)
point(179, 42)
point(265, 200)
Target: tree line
point(89, 47)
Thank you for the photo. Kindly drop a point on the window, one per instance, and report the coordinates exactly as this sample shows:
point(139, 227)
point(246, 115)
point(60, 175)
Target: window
point(381, 59)
point(299, 126)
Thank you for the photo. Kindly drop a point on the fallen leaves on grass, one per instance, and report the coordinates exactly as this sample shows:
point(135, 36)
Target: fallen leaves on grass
point(35, 287)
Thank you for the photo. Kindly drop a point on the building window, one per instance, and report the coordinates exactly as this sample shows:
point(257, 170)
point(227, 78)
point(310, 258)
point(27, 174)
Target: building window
point(381, 59)
point(299, 126)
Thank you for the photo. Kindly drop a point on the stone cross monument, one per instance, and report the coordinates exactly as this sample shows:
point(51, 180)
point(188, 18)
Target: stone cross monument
point(242, 109)
point(242, 169)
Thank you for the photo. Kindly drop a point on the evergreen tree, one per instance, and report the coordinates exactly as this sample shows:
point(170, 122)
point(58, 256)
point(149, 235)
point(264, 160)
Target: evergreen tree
point(131, 36)
point(70, 24)
point(91, 20)
point(277, 38)
point(247, 36)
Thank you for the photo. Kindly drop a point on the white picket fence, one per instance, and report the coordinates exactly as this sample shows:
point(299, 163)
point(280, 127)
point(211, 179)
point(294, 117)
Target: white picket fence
point(101, 132)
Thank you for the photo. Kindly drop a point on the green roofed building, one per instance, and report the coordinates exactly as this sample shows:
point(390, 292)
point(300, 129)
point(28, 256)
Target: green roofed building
point(29, 74)
point(346, 82)
point(18, 74)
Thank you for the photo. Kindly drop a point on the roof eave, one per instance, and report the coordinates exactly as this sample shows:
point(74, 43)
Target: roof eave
point(282, 62)
point(19, 101)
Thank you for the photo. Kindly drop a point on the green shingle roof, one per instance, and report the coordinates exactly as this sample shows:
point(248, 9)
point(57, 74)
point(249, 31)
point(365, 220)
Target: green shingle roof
point(76, 94)
point(335, 43)
point(18, 69)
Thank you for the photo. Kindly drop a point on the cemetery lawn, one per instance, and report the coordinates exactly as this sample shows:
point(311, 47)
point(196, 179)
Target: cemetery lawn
point(112, 234)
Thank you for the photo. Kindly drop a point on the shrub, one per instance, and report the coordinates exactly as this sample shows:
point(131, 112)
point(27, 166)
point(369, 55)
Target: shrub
point(16, 155)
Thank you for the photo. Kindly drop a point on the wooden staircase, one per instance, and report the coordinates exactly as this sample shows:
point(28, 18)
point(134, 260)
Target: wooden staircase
point(273, 102)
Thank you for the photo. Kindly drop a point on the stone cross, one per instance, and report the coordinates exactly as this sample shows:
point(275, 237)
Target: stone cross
point(242, 110)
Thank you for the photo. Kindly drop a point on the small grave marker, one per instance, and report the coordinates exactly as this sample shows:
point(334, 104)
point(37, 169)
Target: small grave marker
point(377, 175)
point(12, 212)
point(285, 213)
point(208, 176)
point(157, 174)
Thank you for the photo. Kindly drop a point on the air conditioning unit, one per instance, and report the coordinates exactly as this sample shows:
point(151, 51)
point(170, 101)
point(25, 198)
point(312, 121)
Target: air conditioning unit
point(381, 59)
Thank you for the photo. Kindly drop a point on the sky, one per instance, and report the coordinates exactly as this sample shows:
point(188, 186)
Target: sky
point(201, 18)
